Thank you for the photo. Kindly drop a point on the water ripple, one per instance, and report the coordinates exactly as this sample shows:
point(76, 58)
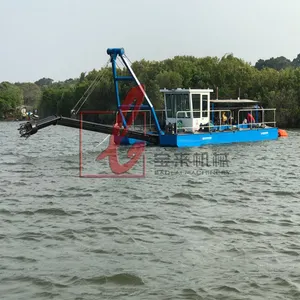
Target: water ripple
point(211, 237)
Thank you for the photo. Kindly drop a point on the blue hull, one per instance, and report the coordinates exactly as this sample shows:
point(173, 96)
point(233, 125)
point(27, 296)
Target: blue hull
point(212, 138)
point(128, 141)
point(201, 139)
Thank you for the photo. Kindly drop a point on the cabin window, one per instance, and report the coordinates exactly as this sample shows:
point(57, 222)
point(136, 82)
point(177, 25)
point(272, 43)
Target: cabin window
point(196, 105)
point(182, 105)
point(171, 105)
point(177, 103)
point(204, 106)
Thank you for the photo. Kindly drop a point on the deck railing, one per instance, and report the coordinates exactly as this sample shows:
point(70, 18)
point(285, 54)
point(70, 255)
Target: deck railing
point(259, 115)
point(203, 126)
point(144, 122)
point(263, 117)
point(230, 124)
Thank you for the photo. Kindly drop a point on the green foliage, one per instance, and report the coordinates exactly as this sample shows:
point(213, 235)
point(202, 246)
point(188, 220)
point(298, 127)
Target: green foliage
point(278, 63)
point(169, 80)
point(31, 93)
point(296, 62)
point(274, 82)
point(44, 82)
point(10, 98)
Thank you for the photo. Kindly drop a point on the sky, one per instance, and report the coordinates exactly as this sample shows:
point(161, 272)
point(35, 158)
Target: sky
point(59, 39)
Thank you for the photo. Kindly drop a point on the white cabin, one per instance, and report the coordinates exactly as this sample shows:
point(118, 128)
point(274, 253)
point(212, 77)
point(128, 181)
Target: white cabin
point(190, 106)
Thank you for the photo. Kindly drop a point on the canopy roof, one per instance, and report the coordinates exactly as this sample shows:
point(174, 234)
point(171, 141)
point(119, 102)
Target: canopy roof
point(234, 101)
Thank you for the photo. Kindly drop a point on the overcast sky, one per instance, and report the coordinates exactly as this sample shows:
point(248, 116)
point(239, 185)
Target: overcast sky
point(62, 38)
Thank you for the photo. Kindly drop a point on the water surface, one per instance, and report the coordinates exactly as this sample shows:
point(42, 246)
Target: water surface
point(174, 234)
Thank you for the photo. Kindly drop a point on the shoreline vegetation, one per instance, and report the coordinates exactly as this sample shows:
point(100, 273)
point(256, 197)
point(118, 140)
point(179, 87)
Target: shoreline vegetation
point(274, 82)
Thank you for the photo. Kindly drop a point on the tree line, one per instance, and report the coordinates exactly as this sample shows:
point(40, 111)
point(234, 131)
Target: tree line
point(274, 82)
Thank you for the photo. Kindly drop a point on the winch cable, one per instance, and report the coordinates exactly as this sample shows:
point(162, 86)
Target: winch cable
point(122, 64)
point(128, 59)
point(89, 91)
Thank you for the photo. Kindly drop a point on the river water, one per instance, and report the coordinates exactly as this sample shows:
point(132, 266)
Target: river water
point(227, 230)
